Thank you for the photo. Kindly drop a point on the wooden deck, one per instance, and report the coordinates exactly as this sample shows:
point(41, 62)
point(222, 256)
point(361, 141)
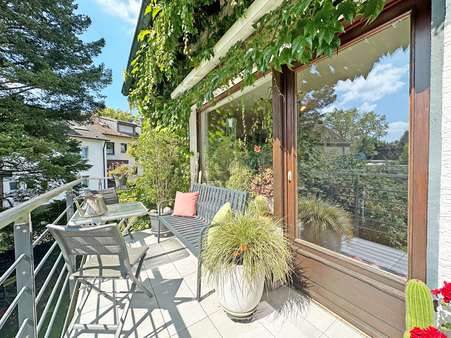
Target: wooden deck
point(381, 256)
point(170, 270)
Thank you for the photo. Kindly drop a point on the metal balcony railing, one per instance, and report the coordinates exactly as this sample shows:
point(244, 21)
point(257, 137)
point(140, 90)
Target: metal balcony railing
point(30, 322)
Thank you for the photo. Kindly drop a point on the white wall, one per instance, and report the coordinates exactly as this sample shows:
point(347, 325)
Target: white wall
point(95, 159)
point(117, 150)
point(439, 195)
point(7, 190)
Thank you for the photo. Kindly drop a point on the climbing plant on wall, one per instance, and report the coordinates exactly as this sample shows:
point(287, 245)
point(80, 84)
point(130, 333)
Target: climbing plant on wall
point(182, 33)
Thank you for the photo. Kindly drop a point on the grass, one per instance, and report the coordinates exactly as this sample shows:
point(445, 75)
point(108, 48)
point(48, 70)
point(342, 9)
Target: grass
point(319, 216)
point(256, 242)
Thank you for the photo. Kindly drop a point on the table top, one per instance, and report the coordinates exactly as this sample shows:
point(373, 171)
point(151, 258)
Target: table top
point(115, 212)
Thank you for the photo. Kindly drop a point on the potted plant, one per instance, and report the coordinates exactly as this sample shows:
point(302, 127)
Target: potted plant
point(243, 253)
point(120, 174)
point(323, 223)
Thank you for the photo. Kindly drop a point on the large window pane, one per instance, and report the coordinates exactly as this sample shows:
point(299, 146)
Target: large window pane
point(237, 143)
point(353, 132)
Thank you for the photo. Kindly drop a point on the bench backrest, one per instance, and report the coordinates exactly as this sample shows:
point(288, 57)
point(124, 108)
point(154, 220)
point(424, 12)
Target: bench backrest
point(212, 198)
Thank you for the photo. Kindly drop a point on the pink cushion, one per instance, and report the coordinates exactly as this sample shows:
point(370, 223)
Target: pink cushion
point(185, 204)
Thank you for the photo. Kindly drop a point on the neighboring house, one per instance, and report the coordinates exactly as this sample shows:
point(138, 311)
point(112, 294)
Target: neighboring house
point(104, 143)
point(10, 186)
point(119, 135)
point(92, 149)
point(331, 141)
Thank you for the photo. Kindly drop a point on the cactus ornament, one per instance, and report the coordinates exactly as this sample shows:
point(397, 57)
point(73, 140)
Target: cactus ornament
point(419, 306)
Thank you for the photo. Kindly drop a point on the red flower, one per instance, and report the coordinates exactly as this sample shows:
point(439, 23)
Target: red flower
point(257, 148)
point(429, 332)
point(446, 292)
point(436, 292)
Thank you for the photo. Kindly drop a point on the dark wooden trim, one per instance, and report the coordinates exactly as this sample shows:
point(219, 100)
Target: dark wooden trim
point(328, 271)
point(419, 139)
point(284, 148)
point(278, 100)
point(290, 159)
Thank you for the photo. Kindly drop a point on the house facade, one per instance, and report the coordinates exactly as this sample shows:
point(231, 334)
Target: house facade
point(104, 143)
point(385, 101)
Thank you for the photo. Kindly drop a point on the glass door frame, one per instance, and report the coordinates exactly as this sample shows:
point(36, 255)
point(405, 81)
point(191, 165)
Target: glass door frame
point(382, 288)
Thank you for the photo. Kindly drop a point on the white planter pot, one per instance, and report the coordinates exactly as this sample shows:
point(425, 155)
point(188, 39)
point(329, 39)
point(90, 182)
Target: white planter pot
point(238, 298)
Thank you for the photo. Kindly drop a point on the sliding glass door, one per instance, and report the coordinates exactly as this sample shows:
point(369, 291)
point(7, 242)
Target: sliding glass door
point(350, 166)
point(353, 149)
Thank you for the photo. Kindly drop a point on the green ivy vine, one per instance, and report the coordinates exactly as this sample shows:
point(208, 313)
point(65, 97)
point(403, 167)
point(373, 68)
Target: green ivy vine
point(296, 32)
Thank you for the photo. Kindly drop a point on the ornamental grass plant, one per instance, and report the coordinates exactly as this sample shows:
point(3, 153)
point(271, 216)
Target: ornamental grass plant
point(319, 216)
point(253, 241)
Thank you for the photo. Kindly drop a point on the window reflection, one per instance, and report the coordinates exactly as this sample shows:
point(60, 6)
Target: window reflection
point(353, 137)
point(237, 143)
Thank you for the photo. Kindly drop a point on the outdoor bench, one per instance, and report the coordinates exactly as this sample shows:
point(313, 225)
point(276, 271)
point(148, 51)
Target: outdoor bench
point(192, 231)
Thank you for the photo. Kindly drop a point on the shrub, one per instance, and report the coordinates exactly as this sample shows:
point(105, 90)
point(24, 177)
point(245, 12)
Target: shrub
point(164, 158)
point(262, 183)
point(240, 177)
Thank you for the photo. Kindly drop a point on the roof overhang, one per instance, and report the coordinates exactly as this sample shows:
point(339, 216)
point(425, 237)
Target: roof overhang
point(239, 31)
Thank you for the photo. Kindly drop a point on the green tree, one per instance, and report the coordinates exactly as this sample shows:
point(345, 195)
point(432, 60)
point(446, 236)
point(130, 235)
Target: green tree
point(163, 156)
point(117, 114)
point(353, 124)
point(358, 128)
point(47, 79)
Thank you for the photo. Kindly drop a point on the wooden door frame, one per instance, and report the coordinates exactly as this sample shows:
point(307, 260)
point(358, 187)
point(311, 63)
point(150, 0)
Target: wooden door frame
point(284, 159)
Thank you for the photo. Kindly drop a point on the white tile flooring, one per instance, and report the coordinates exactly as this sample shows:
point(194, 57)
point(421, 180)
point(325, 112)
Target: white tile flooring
point(170, 271)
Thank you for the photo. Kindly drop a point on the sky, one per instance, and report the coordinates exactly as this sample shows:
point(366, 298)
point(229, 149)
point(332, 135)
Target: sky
point(113, 20)
point(385, 91)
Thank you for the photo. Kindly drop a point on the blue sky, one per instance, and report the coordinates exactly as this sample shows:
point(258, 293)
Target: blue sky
point(384, 90)
point(114, 20)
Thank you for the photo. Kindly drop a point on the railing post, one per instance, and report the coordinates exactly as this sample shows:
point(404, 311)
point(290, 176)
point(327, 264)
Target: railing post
point(69, 213)
point(23, 244)
point(69, 204)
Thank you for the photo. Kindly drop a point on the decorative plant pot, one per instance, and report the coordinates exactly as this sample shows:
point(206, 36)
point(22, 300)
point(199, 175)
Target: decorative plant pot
point(155, 222)
point(328, 239)
point(237, 296)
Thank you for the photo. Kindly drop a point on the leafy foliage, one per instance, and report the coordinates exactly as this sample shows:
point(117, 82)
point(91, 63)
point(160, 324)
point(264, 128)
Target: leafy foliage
point(238, 134)
point(117, 114)
point(47, 78)
point(294, 33)
point(262, 183)
point(163, 156)
point(240, 177)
